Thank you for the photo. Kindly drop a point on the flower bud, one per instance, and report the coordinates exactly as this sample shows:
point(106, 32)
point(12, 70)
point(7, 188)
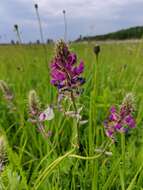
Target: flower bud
point(96, 49)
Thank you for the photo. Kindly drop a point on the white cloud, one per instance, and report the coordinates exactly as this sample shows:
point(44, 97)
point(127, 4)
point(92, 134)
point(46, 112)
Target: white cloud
point(84, 16)
point(82, 8)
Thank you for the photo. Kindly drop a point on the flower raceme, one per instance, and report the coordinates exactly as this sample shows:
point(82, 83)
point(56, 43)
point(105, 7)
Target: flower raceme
point(120, 121)
point(37, 116)
point(66, 77)
point(64, 72)
point(35, 108)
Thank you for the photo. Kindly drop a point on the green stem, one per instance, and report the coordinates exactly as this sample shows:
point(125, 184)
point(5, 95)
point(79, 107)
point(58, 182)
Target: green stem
point(45, 173)
point(76, 136)
point(85, 157)
point(42, 36)
point(41, 128)
point(123, 161)
point(65, 32)
point(18, 36)
point(94, 129)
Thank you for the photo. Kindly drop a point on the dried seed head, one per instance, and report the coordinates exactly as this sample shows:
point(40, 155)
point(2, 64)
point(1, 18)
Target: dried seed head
point(96, 49)
point(36, 6)
point(64, 11)
point(3, 152)
point(16, 27)
point(33, 103)
point(6, 90)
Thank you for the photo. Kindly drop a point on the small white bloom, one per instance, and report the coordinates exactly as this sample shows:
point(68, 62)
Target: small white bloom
point(73, 114)
point(83, 122)
point(47, 114)
point(79, 110)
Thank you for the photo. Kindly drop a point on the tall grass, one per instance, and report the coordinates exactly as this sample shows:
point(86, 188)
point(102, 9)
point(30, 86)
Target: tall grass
point(38, 163)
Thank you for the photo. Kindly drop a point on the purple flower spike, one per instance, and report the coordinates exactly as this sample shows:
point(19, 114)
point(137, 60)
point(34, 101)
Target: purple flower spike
point(120, 120)
point(65, 75)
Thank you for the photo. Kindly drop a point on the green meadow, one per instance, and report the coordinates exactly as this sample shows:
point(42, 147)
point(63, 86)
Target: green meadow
point(37, 163)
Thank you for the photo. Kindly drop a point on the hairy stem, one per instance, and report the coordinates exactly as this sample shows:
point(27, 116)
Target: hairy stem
point(77, 122)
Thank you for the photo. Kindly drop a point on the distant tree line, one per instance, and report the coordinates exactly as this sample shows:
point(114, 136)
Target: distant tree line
point(49, 41)
point(130, 33)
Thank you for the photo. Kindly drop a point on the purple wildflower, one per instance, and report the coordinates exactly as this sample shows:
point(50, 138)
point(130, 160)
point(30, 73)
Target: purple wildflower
point(65, 75)
point(120, 120)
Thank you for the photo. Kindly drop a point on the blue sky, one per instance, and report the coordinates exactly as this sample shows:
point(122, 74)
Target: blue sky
point(86, 17)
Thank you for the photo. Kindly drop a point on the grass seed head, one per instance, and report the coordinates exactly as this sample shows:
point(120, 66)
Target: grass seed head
point(16, 27)
point(64, 12)
point(34, 103)
point(36, 6)
point(96, 49)
point(6, 90)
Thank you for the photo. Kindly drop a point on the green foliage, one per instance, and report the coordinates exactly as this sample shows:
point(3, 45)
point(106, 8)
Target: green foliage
point(38, 163)
point(124, 34)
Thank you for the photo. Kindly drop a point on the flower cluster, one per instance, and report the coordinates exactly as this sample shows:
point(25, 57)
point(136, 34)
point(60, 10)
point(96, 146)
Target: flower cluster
point(36, 115)
point(66, 76)
point(122, 120)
